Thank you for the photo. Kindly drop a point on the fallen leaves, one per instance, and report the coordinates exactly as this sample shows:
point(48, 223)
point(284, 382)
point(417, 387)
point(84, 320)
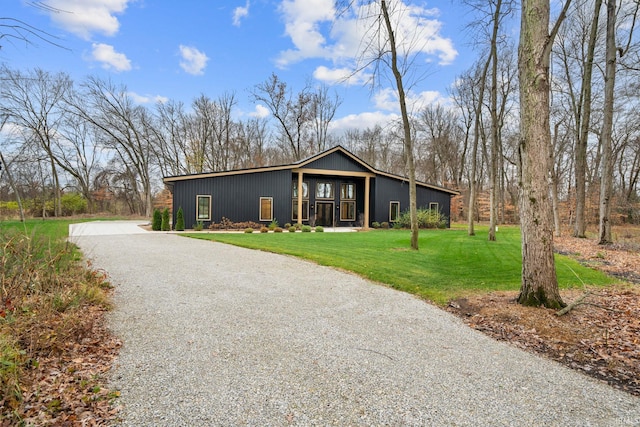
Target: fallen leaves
point(600, 337)
point(68, 388)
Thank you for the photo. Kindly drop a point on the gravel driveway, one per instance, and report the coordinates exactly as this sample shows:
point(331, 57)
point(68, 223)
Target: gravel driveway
point(216, 335)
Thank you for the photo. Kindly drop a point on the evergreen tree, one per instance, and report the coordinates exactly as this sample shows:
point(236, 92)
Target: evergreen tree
point(179, 220)
point(156, 223)
point(165, 220)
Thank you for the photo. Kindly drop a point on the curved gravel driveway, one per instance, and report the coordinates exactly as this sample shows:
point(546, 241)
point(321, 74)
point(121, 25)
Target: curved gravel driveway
point(216, 335)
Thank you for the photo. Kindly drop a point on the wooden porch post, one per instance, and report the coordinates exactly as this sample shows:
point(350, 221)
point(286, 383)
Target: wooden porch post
point(300, 197)
point(367, 189)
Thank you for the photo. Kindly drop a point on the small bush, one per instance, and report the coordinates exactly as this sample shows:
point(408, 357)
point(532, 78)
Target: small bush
point(180, 219)
point(156, 223)
point(73, 204)
point(198, 226)
point(319, 229)
point(264, 229)
point(298, 226)
point(273, 224)
point(384, 225)
point(287, 225)
point(277, 230)
point(375, 224)
point(166, 224)
point(248, 230)
point(427, 218)
point(306, 229)
point(227, 224)
point(292, 229)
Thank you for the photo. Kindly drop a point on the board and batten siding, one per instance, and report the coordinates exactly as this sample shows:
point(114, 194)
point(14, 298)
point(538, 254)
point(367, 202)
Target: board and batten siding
point(386, 190)
point(236, 197)
point(336, 161)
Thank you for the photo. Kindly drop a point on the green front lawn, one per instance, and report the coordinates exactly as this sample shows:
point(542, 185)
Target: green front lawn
point(448, 265)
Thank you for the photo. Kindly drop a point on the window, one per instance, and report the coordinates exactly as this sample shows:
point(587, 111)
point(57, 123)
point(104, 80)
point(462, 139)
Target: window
point(347, 211)
point(203, 208)
point(347, 202)
point(394, 211)
point(305, 190)
point(434, 206)
point(324, 190)
point(305, 210)
point(305, 201)
point(348, 191)
point(266, 208)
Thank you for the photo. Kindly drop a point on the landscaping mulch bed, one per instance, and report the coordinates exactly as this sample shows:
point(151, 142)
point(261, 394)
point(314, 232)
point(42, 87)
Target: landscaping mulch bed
point(600, 337)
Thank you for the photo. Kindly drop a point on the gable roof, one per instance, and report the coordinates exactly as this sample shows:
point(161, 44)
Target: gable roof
point(300, 164)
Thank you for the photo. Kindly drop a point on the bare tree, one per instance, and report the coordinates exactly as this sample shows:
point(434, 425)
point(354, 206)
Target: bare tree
point(291, 111)
point(322, 109)
point(126, 129)
point(33, 103)
point(4, 169)
point(539, 281)
point(172, 150)
point(608, 155)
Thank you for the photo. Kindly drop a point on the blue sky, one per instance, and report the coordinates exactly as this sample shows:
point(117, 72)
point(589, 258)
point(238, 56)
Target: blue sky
point(162, 49)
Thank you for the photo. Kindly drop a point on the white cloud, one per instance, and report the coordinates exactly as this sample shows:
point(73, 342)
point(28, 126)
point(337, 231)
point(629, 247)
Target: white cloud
point(302, 25)
point(318, 31)
point(110, 59)
point(147, 99)
point(193, 61)
point(387, 99)
point(84, 17)
point(239, 13)
point(340, 75)
point(363, 121)
point(260, 112)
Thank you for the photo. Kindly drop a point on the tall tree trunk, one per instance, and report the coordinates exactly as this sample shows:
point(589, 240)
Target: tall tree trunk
point(474, 151)
point(408, 142)
point(606, 178)
point(580, 226)
point(553, 186)
point(495, 140)
point(539, 282)
point(13, 186)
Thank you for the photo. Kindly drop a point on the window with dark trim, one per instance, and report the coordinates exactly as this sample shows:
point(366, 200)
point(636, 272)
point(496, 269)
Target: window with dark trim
point(324, 190)
point(266, 208)
point(394, 211)
point(347, 202)
point(203, 208)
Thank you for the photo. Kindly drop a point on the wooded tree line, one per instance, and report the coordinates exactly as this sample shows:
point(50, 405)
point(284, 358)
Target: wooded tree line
point(92, 138)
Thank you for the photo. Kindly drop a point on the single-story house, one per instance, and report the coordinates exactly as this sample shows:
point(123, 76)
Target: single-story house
point(333, 189)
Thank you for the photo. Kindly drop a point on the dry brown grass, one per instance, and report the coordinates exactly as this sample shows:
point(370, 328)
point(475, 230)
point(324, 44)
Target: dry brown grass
point(51, 311)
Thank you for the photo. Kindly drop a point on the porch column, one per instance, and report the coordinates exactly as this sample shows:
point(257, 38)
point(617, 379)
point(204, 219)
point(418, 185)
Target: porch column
point(367, 189)
point(300, 197)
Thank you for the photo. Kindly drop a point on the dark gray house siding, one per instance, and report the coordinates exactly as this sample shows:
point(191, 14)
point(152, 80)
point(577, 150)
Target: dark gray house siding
point(236, 197)
point(338, 162)
point(387, 190)
point(236, 194)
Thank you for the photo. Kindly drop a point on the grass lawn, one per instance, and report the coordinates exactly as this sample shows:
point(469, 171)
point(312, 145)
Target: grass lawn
point(52, 227)
point(448, 265)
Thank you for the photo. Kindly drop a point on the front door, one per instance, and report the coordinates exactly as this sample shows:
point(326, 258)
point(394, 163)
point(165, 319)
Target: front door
point(324, 214)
